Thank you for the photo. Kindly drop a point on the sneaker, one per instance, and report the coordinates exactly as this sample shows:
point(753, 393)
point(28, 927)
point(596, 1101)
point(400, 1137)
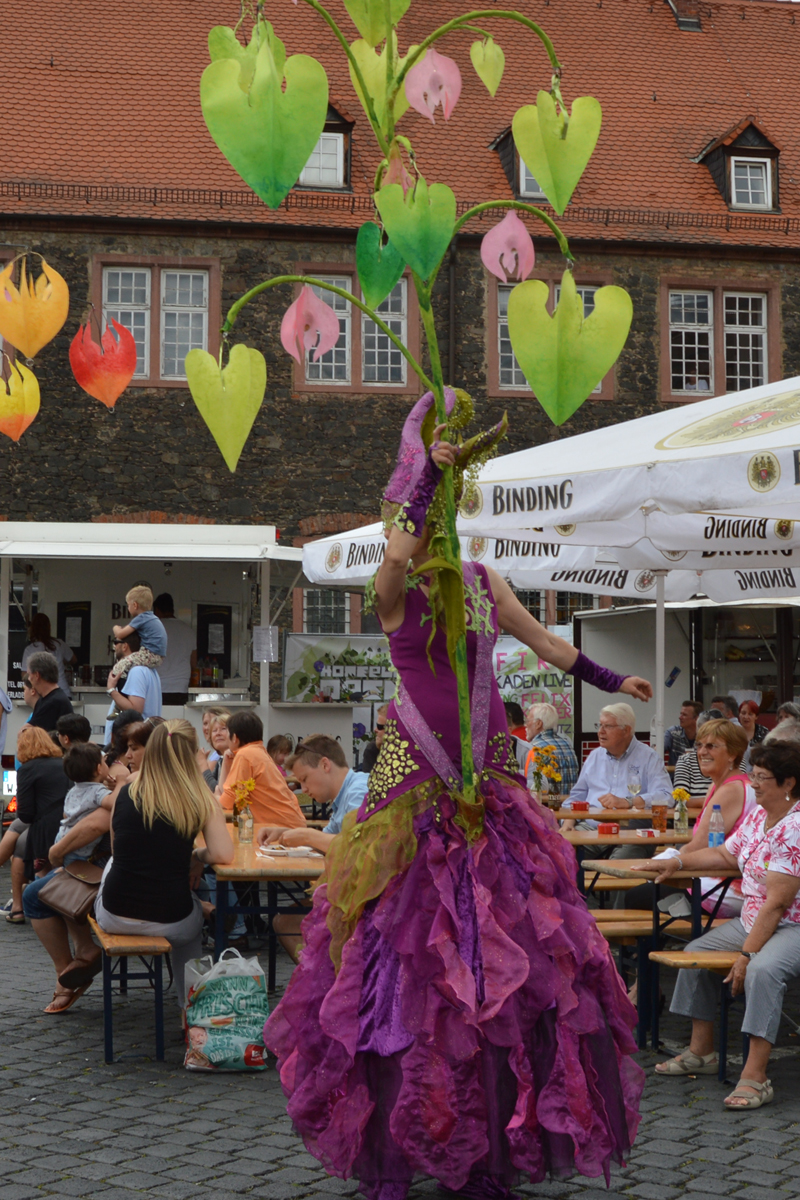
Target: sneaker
point(8, 906)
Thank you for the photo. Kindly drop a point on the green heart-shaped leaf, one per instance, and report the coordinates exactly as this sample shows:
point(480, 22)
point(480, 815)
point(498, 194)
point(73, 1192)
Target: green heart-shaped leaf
point(421, 226)
point(228, 400)
point(379, 265)
point(223, 43)
point(555, 161)
point(369, 16)
point(564, 357)
point(489, 63)
point(372, 64)
point(266, 134)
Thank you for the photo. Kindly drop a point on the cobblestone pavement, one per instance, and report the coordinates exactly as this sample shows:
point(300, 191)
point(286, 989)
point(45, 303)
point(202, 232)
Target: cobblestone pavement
point(72, 1126)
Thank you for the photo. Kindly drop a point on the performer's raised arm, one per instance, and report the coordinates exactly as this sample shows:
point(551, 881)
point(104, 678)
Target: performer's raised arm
point(517, 621)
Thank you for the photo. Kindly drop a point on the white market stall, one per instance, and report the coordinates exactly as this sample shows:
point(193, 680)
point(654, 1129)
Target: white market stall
point(83, 570)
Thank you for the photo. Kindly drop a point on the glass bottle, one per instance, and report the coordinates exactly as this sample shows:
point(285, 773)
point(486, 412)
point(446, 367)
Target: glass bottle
point(244, 820)
point(681, 821)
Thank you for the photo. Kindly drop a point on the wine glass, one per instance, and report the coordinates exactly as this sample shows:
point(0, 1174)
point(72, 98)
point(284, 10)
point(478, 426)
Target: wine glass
point(634, 781)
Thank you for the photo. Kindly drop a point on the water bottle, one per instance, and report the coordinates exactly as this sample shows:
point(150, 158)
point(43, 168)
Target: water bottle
point(716, 828)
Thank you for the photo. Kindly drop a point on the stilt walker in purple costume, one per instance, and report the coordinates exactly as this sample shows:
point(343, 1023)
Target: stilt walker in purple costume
point(455, 1011)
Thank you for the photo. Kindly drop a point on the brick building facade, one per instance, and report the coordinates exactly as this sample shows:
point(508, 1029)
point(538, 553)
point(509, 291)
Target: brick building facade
point(96, 185)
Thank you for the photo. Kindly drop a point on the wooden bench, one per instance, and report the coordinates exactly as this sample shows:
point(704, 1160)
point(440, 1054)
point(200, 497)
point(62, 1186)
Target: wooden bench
point(122, 947)
point(720, 962)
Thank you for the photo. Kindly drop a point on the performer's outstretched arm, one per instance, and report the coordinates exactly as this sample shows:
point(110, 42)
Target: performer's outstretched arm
point(517, 621)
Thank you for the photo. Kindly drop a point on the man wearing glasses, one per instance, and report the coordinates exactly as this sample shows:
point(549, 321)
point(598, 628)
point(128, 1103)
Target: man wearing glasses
point(621, 773)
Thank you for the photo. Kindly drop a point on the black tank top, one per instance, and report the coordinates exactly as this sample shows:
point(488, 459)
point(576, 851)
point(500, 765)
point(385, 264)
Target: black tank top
point(149, 877)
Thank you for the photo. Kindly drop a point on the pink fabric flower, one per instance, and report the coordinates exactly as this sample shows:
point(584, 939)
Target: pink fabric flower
point(309, 323)
point(507, 249)
point(432, 81)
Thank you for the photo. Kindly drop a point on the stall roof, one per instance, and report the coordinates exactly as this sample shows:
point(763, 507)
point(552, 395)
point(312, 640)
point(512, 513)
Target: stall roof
point(69, 539)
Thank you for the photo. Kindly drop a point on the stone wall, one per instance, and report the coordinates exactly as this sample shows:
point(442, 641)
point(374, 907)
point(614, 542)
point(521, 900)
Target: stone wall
point(311, 460)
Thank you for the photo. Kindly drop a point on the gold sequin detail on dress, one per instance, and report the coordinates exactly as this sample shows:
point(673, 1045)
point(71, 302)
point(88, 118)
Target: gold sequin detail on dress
point(394, 763)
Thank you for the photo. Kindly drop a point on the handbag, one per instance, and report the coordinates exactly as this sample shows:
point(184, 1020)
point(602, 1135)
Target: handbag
point(73, 890)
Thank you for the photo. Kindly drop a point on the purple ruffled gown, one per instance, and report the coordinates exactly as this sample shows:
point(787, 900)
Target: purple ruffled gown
point(455, 1010)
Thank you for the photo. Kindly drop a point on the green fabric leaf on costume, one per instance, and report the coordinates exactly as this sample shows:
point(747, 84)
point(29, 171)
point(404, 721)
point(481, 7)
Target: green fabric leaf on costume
point(421, 225)
point(369, 17)
point(557, 161)
point(373, 67)
point(267, 134)
point(228, 400)
point(489, 62)
point(563, 356)
point(378, 264)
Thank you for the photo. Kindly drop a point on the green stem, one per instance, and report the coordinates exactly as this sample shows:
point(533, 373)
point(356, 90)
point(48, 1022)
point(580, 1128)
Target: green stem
point(537, 212)
point(453, 547)
point(235, 309)
point(465, 18)
point(368, 104)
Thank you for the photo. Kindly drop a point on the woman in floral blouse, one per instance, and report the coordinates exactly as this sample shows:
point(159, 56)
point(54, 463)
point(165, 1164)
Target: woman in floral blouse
point(766, 849)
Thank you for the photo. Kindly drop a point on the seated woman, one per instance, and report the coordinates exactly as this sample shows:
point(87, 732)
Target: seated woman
point(767, 935)
point(118, 747)
point(279, 748)
point(719, 746)
point(210, 761)
point(748, 711)
point(146, 887)
point(41, 789)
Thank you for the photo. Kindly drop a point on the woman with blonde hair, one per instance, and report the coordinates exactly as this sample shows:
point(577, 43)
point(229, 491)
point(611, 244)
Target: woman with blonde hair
point(147, 886)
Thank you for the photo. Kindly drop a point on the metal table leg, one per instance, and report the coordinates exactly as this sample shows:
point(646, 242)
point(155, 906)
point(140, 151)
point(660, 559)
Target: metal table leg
point(108, 1016)
point(272, 909)
point(159, 1004)
point(220, 936)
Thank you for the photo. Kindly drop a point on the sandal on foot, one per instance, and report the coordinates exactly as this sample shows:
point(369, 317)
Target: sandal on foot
point(689, 1063)
point(73, 996)
point(765, 1094)
point(15, 917)
point(81, 971)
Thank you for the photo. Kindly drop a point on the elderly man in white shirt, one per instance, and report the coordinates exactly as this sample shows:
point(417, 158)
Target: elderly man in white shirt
point(606, 774)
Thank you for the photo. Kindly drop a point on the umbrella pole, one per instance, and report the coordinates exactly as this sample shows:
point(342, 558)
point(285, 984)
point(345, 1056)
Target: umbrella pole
point(660, 653)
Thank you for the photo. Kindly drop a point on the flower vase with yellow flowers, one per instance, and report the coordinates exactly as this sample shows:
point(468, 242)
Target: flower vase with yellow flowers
point(680, 823)
point(241, 809)
point(545, 769)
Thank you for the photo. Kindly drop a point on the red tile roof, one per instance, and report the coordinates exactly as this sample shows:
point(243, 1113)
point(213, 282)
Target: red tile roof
point(101, 115)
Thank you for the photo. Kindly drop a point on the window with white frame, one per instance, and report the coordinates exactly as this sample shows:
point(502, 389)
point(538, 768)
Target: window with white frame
point(183, 296)
point(382, 361)
point(751, 182)
point(691, 341)
point(334, 365)
point(325, 167)
point(126, 300)
point(326, 610)
point(745, 333)
point(510, 374)
point(528, 185)
point(184, 319)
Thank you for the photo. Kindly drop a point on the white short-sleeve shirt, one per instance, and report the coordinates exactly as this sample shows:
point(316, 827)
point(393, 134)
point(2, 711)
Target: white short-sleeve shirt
point(757, 851)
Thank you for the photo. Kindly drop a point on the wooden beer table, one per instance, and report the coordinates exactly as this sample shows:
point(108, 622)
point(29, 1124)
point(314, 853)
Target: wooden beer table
point(283, 876)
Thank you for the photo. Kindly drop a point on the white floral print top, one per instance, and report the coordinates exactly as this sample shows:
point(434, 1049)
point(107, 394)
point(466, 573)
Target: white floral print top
point(757, 852)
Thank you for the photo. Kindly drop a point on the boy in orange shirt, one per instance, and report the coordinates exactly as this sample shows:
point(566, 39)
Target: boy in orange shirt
point(271, 801)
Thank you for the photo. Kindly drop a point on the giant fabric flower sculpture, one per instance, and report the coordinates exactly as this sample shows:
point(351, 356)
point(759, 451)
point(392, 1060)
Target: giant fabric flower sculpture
point(103, 371)
point(434, 80)
point(31, 315)
point(228, 399)
point(507, 250)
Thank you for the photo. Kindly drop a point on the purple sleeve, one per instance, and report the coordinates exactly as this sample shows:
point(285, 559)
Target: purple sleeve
point(411, 518)
point(600, 677)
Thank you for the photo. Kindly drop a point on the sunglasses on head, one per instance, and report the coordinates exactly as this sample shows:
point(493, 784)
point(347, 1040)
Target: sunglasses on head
point(380, 726)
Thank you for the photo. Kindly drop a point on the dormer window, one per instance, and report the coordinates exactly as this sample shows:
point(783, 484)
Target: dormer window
point(751, 183)
point(325, 167)
point(328, 166)
point(527, 184)
point(744, 165)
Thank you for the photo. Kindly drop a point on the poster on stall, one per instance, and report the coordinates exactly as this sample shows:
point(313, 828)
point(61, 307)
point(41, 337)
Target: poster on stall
point(357, 669)
point(323, 667)
point(522, 676)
